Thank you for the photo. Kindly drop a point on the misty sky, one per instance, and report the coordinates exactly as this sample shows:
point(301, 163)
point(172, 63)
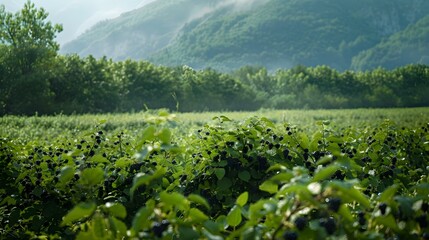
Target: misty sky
point(76, 16)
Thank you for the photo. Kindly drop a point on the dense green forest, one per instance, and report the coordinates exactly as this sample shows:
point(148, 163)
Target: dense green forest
point(36, 79)
point(226, 35)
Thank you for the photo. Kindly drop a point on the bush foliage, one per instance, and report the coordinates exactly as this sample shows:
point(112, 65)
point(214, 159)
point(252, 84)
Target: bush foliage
point(254, 179)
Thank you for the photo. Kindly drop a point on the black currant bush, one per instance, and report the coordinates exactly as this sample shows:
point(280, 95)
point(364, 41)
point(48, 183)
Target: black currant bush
point(254, 179)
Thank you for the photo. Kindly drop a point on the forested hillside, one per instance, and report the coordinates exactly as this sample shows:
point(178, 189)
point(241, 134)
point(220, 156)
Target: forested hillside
point(226, 35)
point(409, 45)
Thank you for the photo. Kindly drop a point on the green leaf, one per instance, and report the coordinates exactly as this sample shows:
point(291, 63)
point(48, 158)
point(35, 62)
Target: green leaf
point(165, 136)
point(174, 199)
point(350, 194)
point(213, 227)
point(301, 190)
point(140, 220)
point(242, 199)
point(234, 217)
point(187, 233)
point(197, 216)
point(66, 175)
point(305, 142)
point(92, 176)
point(388, 193)
point(282, 177)
point(244, 175)
point(210, 236)
point(326, 122)
point(224, 184)
point(269, 186)
point(277, 167)
point(116, 209)
point(98, 159)
point(148, 134)
point(324, 160)
point(220, 173)
point(405, 206)
point(387, 221)
point(118, 227)
point(85, 236)
point(223, 163)
point(139, 180)
point(82, 210)
point(99, 227)
point(224, 119)
point(145, 179)
point(345, 213)
point(325, 173)
point(123, 162)
point(198, 199)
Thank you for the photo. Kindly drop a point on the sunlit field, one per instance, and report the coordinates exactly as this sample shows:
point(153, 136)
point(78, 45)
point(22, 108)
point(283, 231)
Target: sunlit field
point(308, 174)
point(51, 126)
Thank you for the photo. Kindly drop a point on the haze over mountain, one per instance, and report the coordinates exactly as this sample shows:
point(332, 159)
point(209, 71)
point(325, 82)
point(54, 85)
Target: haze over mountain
point(227, 34)
point(77, 16)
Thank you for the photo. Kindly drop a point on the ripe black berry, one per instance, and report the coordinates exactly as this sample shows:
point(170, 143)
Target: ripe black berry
point(425, 207)
point(361, 218)
point(425, 236)
point(422, 220)
point(290, 235)
point(285, 153)
point(334, 204)
point(165, 223)
point(159, 227)
point(300, 223)
point(382, 207)
point(329, 225)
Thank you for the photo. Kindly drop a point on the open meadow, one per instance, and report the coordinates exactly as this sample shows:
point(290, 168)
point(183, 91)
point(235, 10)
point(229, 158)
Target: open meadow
point(270, 174)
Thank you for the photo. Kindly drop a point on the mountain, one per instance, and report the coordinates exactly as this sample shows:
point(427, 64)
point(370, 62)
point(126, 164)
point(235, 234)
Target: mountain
point(407, 46)
point(227, 34)
point(78, 15)
point(139, 33)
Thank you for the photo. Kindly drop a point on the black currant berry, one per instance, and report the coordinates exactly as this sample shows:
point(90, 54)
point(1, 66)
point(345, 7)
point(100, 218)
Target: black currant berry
point(425, 207)
point(422, 220)
point(165, 223)
point(334, 204)
point(382, 207)
point(290, 235)
point(361, 218)
point(285, 153)
point(159, 227)
point(300, 223)
point(329, 225)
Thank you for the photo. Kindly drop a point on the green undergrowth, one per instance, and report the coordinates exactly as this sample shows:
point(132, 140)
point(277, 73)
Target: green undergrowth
point(249, 179)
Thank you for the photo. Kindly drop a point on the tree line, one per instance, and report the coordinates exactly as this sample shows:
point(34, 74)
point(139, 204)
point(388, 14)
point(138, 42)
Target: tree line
point(34, 78)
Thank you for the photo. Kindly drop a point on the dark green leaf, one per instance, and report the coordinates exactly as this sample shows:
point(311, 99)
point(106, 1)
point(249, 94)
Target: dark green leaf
point(80, 211)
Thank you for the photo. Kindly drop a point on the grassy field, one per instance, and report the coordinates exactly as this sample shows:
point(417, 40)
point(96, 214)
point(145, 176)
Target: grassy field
point(46, 127)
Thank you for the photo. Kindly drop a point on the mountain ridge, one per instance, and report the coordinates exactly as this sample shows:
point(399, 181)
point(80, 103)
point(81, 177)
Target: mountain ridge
point(275, 33)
